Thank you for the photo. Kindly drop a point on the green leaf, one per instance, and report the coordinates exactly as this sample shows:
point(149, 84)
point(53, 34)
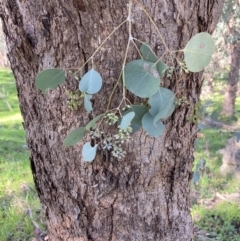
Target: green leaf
point(154, 130)
point(234, 118)
point(162, 104)
point(161, 68)
point(93, 122)
point(50, 79)
point(126, 120)
point(198, 52)
point(237, 134)
point(91, 82)
point(89, 152)
point(196, 177)
point(196, 143)
point(200, 126)
point(140, 111)
point(201, 164)
point(74, 136)
point(141, 78)
point(214, 116)
point(148, 55)
point(88, 103)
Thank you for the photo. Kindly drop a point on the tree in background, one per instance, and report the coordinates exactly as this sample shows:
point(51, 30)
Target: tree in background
point(145, 194)
point(3, 50)
point(229, 27)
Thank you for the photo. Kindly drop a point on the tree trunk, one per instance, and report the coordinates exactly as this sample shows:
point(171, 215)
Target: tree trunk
point(3, 55)
point(232, 85)
point(144, 196)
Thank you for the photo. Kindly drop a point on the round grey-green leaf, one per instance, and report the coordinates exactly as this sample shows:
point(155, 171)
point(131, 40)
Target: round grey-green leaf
point(198, 52)
point(140, 111)
point(162, 104)
point(154, 130)
point(141, 78)
point(91, 82)
point(50, 79)
point(126, 120)
point(74, 136)
point(237, 134)
point(93, 122)
point(89, 152)
point(148, 55)
point(88, 103)
point(196, 177)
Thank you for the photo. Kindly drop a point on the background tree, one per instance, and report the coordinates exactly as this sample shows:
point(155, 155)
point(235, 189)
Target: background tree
point(228, 28)
point(144, 196)
point(3, 54)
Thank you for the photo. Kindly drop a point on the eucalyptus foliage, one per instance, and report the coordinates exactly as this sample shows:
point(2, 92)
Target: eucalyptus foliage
point(153, 129)
point(74, 136)
point(148, 55)
point(91, 82)
point(126, 120)
point(50, 79)
point(87, 102)
point(140, 111)
point(142, 77)
point(89, 152)
point(198, 52)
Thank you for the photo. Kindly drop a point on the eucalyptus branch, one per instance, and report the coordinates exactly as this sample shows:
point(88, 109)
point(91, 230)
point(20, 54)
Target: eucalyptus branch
point(142, 78)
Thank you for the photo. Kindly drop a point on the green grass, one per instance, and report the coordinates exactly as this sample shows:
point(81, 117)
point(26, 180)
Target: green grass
point(221, 221)
point(18, 198)
point(212, 181)
point(213, 140)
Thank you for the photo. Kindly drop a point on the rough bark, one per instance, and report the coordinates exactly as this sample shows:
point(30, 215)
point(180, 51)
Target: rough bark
point(233, 79)
point(146, 195)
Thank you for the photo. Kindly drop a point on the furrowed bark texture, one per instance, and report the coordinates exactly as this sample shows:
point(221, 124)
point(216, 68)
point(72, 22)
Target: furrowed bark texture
point(233, 79)
point(144, 196)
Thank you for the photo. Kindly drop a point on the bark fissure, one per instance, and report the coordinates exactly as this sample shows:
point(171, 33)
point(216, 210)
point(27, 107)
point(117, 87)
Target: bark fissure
point(112, 220)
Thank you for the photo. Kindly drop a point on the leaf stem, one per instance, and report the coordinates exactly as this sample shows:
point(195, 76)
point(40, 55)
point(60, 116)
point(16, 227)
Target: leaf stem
point(129, 18)
point(125, 58)
point(104, 41)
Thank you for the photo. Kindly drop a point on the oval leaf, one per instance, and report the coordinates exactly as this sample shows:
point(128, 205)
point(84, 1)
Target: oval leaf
point(161, 68)
point(237, 134)
point(154, 130)
point(196, 177)
point(74, 136)
point(50, 79)
point(148, 55)
point(89, 152)
point(201, 164)
point(88, 103)
point(140, 111)
point(126, 120)
point(198, 51)
point(91, 82)
point(141, 78)
point(162, 104)
point(93, 122)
